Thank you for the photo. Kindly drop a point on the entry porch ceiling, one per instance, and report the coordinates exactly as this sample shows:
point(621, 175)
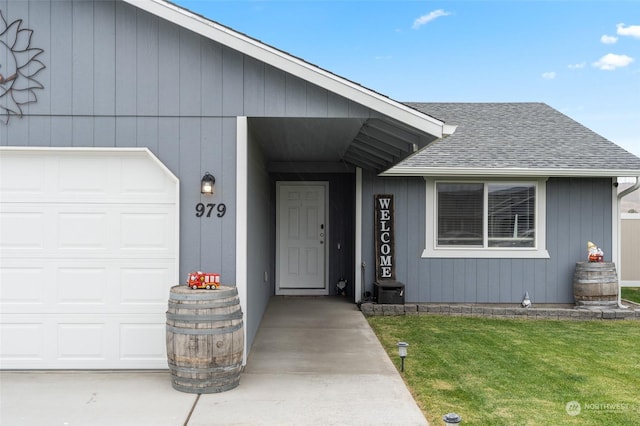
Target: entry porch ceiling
point(373, 144)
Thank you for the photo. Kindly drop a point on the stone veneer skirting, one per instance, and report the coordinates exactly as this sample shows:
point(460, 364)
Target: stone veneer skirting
point(580, 314)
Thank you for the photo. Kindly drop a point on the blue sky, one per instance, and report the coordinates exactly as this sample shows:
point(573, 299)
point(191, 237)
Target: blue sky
point(581, 57)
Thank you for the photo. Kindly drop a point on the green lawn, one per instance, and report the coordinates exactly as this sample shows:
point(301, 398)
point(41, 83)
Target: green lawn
point(631, 293)
point(519, 372)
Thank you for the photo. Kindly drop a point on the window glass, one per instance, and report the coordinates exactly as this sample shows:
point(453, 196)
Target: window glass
point(504, 213)
point(460, 214)
point(511, 215)
point(485, 218)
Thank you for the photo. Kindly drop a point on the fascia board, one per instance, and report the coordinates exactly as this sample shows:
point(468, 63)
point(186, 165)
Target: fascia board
point(290, 64)
point(508, 172)
point(449, 129)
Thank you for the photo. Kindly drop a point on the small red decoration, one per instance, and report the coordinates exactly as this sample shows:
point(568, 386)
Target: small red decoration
point(594, 252)
point(595, 258)
point(206, 280)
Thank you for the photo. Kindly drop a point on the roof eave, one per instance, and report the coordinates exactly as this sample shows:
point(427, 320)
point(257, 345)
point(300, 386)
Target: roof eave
point(508, 172)
point(291, 64)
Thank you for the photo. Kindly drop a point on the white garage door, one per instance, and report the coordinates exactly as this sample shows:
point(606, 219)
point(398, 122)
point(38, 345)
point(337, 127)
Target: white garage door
point(88, 252)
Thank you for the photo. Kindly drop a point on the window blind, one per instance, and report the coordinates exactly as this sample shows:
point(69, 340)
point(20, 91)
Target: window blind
point(511, 215)
point(460, 214)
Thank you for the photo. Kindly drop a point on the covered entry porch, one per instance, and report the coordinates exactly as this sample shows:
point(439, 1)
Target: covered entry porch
point(328, 152)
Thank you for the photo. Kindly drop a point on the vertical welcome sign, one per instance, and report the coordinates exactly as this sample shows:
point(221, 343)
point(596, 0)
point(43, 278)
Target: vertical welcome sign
point(384, 235)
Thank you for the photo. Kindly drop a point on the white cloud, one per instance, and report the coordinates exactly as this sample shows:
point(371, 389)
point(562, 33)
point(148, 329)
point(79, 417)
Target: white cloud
point(425, 19)
point(611, 61)
point(607, 39)
point(577, 66)
point(631, 30)
point(549, 75)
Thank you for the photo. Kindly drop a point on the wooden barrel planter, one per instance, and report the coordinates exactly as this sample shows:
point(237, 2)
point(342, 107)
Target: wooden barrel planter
point(595, 284)
point(205, 339)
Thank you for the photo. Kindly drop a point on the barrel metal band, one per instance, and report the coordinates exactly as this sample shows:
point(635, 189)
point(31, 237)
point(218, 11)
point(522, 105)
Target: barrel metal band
point(204, 331)
point(192, 370)
point(204, 318)
point(209, 295)
point(208, 389)
point(225, 304)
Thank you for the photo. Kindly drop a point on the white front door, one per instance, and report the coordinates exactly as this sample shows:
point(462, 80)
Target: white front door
point(301, 238)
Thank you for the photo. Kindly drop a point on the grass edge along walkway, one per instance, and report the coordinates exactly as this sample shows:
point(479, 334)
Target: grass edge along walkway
point(518, 372)
point(630, 293)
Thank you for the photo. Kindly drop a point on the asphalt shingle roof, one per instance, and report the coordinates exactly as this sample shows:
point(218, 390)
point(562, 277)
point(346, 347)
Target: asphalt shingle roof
point(515, 136)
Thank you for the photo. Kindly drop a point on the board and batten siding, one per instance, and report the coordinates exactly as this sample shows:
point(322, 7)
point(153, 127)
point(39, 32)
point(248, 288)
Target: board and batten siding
point(117, 76)
point(578, 210)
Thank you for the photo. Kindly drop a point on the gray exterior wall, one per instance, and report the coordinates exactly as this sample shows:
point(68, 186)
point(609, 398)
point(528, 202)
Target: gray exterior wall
point(104, 87)
point(117, 76)
point(578, 210)
point(259, 228)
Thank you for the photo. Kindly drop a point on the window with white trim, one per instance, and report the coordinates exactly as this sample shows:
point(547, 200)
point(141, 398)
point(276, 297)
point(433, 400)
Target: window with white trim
point(491, 218)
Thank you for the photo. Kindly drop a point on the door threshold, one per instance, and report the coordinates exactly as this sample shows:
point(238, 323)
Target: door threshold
point(301, 292)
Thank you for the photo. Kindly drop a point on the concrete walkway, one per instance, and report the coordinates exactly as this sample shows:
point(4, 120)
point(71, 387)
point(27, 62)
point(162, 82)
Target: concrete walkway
point(315, 361)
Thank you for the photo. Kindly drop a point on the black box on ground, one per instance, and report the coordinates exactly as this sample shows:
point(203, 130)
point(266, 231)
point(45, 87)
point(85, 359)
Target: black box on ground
point(389, 292)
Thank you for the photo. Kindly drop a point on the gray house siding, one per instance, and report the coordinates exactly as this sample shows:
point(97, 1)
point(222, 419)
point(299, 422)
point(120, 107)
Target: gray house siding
point(578, 210)
point(117, 76)
point(259, 232)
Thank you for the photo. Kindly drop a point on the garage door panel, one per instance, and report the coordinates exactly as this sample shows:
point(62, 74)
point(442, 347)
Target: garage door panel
point(141, 178)
point(21, 285)
point(102, 175)
point(86, 286)
point(143, 342)
point(87, 231)
point(140, 285)
point(22, 230)
point(94, 172)
point(22, 175)
point(118, 231)
point(88, 254)
point(83, 342)
point(83, 230)
point(145, 231)
point(21, 341)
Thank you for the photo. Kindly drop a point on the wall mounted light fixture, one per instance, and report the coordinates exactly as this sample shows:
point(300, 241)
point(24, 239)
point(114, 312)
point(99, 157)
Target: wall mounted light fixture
point(207, 183)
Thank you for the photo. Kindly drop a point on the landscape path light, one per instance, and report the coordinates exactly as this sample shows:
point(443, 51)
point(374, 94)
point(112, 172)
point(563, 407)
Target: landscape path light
point(402, 351)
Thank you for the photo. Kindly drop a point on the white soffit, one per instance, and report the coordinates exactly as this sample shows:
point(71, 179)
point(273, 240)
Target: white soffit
point(290, 64)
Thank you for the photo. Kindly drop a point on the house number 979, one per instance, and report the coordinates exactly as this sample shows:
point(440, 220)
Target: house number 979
point(207, 209)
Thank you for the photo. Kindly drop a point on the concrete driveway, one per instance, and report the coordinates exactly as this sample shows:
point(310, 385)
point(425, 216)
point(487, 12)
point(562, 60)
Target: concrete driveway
point(315, 361)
